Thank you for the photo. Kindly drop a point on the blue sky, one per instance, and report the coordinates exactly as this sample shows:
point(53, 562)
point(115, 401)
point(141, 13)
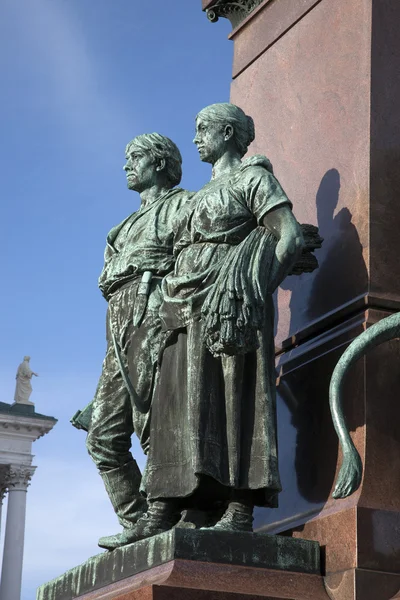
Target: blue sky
point(80, 78)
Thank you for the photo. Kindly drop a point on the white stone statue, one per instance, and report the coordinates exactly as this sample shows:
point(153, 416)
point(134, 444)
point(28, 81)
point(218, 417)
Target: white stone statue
point(23, 389)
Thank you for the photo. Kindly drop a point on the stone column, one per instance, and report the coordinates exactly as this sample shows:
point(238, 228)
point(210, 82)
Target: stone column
point(3, 487)
point(3, 491)
point(4, 469)
point(11, 576)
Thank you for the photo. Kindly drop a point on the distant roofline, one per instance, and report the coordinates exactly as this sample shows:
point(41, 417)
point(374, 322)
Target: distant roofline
point(23, 410)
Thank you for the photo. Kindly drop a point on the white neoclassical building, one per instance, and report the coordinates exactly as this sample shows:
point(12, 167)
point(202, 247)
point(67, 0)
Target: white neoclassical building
point(20, 426)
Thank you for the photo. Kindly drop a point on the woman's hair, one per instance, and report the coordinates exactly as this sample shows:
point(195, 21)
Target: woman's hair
point(160, 147)
point(230, 114)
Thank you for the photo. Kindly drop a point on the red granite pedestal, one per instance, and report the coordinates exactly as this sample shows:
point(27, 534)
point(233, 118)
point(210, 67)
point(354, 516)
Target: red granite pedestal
point(183, 564)
point(188, 580)
point(322, 82)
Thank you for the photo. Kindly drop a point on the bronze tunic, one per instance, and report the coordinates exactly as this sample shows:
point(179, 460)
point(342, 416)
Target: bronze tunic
point(144, 241)
point(214, 418)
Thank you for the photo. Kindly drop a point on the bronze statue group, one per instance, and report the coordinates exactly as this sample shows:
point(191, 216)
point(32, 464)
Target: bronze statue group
point(190, 365)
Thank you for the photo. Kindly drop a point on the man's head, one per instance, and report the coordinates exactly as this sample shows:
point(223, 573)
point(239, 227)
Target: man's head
point(152, 159)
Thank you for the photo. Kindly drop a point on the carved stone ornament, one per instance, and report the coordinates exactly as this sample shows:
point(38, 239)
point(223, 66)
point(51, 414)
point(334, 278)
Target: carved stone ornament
point(236, 12)
point(19, 477)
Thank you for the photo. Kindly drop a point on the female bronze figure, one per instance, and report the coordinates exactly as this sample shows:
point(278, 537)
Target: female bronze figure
point(213, 421)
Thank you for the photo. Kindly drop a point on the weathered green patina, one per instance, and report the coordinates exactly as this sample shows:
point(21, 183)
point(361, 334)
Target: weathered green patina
point(138, 254)
point(213, 422)
point(350, 475)
point(236, 11)
point(252, 550)
point(189, 280)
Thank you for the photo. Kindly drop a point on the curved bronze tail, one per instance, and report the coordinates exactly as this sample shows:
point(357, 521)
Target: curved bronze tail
point(350, 475)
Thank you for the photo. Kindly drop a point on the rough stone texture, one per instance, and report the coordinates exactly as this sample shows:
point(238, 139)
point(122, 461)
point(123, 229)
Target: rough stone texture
point(320, 80)
point(246, 549)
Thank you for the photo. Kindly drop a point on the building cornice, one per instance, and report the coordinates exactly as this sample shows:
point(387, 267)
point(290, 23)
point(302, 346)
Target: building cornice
point(17, 433)
point(234, 10)
point(22, 410)
point(25, 427)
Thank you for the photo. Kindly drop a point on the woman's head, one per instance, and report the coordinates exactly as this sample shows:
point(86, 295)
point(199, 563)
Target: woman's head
point(219, 126)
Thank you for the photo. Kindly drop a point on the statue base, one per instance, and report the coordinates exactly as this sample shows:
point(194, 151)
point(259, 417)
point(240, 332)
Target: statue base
point(23, 403)
point(23, 407)
point(197, 564)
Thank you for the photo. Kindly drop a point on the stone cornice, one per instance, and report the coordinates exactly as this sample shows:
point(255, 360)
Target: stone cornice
point(22, 426)
point(234, 10)
point(23, 410)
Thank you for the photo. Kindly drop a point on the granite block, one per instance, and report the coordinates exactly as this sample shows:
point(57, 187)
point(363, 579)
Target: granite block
point(257, 550)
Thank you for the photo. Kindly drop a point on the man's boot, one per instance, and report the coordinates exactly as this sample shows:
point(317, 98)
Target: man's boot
point(161, 516)
point(122, 485)
point(237, 517)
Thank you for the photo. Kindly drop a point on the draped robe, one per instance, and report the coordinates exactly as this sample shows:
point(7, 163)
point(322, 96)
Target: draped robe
point(214, 417)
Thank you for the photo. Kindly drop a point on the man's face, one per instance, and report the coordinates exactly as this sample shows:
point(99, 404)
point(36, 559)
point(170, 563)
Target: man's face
point(140, 169)
point(209, 140)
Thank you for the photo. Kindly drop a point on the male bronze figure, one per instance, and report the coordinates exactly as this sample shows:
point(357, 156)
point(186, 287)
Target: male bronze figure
point(138, 254)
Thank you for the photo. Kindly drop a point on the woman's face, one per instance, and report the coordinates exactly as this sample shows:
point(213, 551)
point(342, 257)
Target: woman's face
point(210, 140)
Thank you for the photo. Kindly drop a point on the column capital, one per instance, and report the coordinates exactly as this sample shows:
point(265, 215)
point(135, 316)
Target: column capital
point(19, 477)
point(236, 11)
